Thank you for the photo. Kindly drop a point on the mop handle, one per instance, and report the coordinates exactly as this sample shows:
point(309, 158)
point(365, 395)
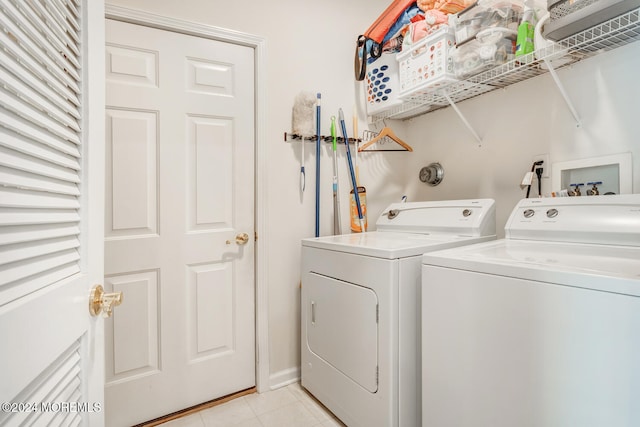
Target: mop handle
point(318, 166)
point(337, 227)
point(334, 139)
point(351, 172)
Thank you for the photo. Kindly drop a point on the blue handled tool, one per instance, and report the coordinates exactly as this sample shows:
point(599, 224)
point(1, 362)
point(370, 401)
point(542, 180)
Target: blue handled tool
point(337, 226)
point(351, 171)
point(318, 139)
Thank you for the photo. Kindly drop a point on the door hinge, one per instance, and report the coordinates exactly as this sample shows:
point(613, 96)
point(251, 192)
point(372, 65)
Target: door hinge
point(377, 375)
point(377, 313)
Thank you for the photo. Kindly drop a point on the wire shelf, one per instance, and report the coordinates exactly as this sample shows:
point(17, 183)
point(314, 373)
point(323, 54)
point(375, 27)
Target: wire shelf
point(603, 37)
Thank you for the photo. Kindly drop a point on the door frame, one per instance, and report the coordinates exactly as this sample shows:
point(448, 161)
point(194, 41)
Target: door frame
point(258, 44)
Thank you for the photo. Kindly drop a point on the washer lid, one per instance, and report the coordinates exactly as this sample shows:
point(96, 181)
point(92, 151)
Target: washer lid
point(599, 267)
point(391, 245)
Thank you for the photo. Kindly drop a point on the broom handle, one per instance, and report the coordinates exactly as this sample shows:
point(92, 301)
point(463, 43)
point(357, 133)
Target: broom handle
point(318, 166)
point(351, 172)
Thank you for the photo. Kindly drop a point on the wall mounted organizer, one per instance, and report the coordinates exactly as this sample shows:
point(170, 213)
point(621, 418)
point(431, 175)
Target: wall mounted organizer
point(288, 137)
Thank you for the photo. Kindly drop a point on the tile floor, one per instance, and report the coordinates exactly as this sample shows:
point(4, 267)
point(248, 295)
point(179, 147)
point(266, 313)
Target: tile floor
point(289, 406)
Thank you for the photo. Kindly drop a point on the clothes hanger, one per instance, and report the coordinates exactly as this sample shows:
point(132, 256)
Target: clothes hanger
point(386, 132)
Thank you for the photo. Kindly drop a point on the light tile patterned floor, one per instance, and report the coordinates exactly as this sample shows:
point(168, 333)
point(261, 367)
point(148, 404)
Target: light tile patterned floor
point(289, 406)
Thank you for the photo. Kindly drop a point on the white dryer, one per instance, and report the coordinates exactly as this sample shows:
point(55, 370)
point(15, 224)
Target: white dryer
point(541, 328)
point(360, 308)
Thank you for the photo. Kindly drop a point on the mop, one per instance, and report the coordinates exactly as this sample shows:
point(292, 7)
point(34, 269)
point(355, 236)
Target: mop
point(351, 171)
point(337, 226)
point(318, 166)
point(302, 125)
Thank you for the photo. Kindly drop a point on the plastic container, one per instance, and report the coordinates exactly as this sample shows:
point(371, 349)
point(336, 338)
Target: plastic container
point(491, 47)
point(381, 85)
point(427, 64)
point(486, 14)
point(526, 29)
point(353, 210)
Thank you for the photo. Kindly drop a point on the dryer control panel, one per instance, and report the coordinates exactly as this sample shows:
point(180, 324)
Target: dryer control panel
point(464, 217)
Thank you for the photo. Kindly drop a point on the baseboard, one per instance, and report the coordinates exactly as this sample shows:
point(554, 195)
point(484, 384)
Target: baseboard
point(284, 378)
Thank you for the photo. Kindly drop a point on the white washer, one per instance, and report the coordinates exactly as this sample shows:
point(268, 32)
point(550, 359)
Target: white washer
point(541, 328)
point(360, 308)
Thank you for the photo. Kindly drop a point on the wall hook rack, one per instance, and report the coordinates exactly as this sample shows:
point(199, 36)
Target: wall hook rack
point(288, 137)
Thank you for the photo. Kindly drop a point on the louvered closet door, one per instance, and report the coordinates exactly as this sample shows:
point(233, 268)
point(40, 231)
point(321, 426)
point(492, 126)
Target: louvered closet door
point(51, 183)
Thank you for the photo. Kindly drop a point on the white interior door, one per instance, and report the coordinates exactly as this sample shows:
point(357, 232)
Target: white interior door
point(179, 196)
point(51, 184)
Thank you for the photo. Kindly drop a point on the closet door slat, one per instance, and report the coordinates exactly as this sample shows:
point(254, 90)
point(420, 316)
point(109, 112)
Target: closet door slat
point(39, 117)
point(25, 127)
point(39, 86)
point(50, 15)
point(41, 41)
point(23, 162)
point(17, 86)
point(12, 216)
point(23, 41)
point(53, 37)
point(12, 140)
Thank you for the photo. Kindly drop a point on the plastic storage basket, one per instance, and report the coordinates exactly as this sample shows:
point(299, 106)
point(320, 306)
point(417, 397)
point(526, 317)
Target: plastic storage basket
point(490, 48)
point(381, 84)
point(486, 14)
point(427, 64)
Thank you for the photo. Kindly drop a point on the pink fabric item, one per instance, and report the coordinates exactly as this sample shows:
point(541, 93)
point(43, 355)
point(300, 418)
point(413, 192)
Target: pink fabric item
point(435, 17)
point(420, 30)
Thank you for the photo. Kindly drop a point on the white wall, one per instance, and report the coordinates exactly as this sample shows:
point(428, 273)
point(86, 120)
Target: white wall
point(310, 47)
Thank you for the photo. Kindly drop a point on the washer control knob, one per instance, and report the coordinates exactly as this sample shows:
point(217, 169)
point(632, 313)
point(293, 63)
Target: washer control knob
point(552, 213)
point(529, 213)
point(467, 212)
point(393, 213)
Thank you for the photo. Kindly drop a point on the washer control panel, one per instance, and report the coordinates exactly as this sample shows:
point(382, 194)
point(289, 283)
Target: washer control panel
point(529, 213)
point(612, 219)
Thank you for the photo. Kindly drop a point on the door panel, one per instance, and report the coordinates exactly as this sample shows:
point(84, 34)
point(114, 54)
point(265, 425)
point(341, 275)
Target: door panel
point(134, 332)
point(132, 151)
point(210, 303)
point(209, 206)
point(180, 187)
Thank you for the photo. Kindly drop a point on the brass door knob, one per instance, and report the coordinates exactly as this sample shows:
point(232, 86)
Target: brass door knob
point(102, 302)
point(242, 238)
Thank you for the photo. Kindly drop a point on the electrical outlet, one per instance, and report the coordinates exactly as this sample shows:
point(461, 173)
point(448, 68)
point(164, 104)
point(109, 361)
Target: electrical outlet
point(546, 166)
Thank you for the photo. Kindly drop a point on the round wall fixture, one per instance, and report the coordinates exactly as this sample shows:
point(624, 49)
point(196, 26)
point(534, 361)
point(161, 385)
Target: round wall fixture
point(432, 174)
